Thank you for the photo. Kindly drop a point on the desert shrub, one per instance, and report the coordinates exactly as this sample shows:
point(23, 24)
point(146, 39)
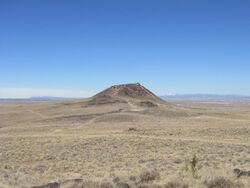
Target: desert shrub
point(193, 165)
point(220, 182)
point(240, 173)
point(122, 185)
point(106, 184)
point(132, 178)
point(49, 185)
point(148, 186)
point(73, 183)
point(147, 175)
point(132, 129)
point(116, 180)
point(143, 186)
point(90, 184)
point(156, 186)
point(176, 184)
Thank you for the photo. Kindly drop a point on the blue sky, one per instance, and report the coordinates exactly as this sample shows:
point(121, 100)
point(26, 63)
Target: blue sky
point(79, 47)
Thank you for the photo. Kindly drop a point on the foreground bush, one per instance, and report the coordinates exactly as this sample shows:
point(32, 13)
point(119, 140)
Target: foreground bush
point(176, 184)
point(221, 182)
point(149, 175)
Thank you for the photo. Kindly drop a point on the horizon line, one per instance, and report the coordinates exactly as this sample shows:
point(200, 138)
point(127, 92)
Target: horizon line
point(26, 93)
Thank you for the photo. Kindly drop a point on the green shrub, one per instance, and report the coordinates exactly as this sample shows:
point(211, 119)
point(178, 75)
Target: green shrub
point(193, 166)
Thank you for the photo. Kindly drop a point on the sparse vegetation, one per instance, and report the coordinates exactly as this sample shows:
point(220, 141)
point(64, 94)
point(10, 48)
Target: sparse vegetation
point(132, 129)
point(217, 182)
point(148, 175)
point(193, 166)
point(221, 182)
point(54, 142)
point(106, 184)
point(177, 184)
point(239, 173)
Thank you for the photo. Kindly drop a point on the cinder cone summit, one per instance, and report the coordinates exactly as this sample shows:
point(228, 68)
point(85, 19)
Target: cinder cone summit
point(124, 93)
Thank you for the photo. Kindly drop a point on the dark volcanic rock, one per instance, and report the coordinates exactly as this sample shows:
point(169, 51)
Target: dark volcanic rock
point(240, 173)
point(126, 93)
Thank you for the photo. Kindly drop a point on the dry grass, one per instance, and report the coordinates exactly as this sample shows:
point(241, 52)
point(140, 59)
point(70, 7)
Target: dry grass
point(221, 182)
point(64, 141)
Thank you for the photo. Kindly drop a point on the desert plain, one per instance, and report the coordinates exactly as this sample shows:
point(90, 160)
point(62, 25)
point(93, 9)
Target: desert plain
point(125, 137)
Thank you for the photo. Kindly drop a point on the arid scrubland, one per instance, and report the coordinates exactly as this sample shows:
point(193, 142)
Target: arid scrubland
point(183, 144)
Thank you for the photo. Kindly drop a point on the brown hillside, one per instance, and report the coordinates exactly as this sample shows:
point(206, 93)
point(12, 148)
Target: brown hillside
point(127, 93)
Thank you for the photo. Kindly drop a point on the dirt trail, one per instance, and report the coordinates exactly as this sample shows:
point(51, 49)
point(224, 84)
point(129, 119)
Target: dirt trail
point(134, 108)
point(37, 113)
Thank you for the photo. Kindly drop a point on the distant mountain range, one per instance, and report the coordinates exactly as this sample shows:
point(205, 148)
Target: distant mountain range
point(32, 99)
point(165, 97)
point(206, 97)
point(48, 98)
